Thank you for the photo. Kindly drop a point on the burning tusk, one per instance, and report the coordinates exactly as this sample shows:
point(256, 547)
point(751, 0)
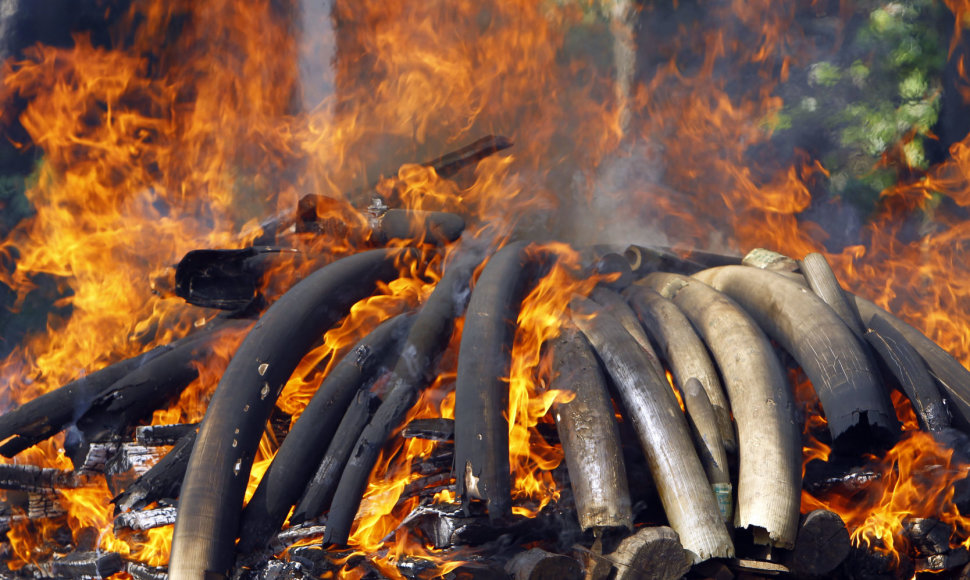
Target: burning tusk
point(834, 361)
point(769, 449)
point(662, 428)
point(820, 277)
point(684, 352)
point(307, 441)
point(590, 437)
point(481, 390)
point(218, 470)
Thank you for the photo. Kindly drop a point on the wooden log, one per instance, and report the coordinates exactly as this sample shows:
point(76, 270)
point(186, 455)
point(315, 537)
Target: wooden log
point(684, 352)
point(653, 553)
point(904, 363)
point(147, 519)
point(929, 536)
point(953, 377)
point(538, 564)
point(142, 572)
point(856, 407)
point(821, 279)
point(414, 370)
point(710, 447)
point(215, 480)
point(88, 565)
point(822, 545)
point(158, 435)
point(481, 390)
point(653, 410)
point(319, 490)
point(437, 429)
point(37, 479)
point(590, 436)
point(51, 412)
point(162, 481)
point(44, 505)
point(769, 441)
point(305, 444)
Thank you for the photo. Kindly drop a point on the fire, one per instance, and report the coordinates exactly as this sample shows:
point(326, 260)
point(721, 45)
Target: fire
point(198, 122)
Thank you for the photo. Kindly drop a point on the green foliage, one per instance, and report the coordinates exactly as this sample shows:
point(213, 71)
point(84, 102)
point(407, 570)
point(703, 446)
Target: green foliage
point(877, 93)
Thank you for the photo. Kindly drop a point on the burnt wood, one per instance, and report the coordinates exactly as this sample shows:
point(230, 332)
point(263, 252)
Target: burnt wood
point(451, 163)
point(88, 565)
point(481, 390)
point(590, 436)
point(158, 435)
point(311, 434)
point(413, 371)
point(904, 363)
point(147, 519)
point(538, 564)
point(437, 429)
point(223, 279)
point(321, 487)
point(162, 481)
point(215, 481)
point(36, 479)
point(653, 553)
point(821, 546)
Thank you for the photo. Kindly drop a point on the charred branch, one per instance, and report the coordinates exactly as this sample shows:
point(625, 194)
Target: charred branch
point(37, 479)
point(451, 163)
point(652, 408)
point(413, 371)
point(305, 444)
point(159, 435)
point(590, 437)
point(215, 480)
point(146, 520)
point(481, 391)
point(162, 481)
point(83, 565)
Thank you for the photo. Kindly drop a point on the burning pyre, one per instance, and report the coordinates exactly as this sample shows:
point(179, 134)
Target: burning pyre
point(196, 121)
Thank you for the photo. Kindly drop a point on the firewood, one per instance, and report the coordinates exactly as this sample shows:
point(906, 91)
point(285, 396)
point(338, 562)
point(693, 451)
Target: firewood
point(319, 490)
point(847, 385)
point(215, 480)
point(760, 568)
point(146, 520)
point(143, 572)
point(44, 505)
point(940, 562)
point(37, 479)
point(538, 564)
point(904, 363)
point(953, 378)
point(305, 444)
point(590, 436)
point(929, 536)
point(684, 352)
point(653, 553)
point(481, 390)
point(97, 456)
point(821, 279)
point(438, 429)
point(653, 410)
point(822, 544)
point(88, 565)
point(710, 447)
point(158, 435)
point(51, 412)
point(162, 481)
point(769, 441)
point(413, 371)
